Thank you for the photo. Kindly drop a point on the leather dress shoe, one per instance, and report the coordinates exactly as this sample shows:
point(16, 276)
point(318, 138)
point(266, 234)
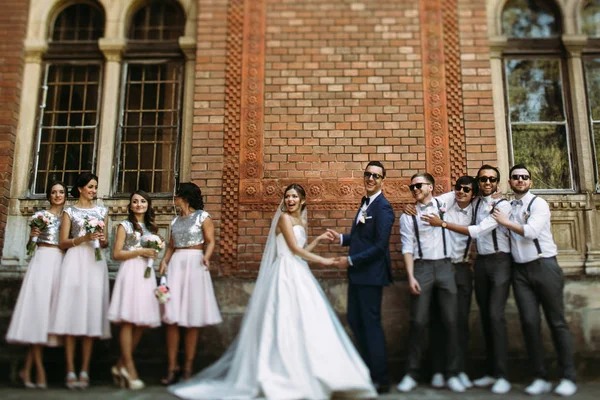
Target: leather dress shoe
point(382, 388)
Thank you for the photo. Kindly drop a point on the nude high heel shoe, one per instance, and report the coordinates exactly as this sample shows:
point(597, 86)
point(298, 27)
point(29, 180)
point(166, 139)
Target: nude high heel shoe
point(136, 384)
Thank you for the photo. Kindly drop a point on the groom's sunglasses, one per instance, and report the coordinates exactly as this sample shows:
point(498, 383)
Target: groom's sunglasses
point(375, 176)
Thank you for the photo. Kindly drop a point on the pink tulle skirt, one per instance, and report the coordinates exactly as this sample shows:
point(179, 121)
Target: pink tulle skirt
point(31, 318)
point(81, 308)
point(193, 302)
point(133, 298)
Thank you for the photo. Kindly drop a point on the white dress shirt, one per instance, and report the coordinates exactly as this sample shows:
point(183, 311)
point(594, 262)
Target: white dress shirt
point(460, 216)
point(430, 236)
point(363, 208)
point(485, 224)
point(536, 225)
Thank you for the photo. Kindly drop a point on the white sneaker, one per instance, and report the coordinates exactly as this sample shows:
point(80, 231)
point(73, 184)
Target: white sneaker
point(566, 387)
point(539, 386)
point(464, 379)
point(501, 386)
point(484, 382)
point(437, 381)
point(407, 384)
point(455, 385)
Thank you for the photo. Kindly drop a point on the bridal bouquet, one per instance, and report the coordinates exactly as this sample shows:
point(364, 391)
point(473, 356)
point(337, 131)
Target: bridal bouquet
point(152, 242)
point(91, 225)
point(162, 291)
point(40, 221)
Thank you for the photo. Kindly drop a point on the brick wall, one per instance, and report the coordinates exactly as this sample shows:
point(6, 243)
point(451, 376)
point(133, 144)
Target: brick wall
point(209, 104)
point(13, 20)
point(343, 85)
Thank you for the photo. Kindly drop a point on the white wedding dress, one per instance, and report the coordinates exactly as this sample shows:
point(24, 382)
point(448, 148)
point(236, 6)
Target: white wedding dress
point(291, 344)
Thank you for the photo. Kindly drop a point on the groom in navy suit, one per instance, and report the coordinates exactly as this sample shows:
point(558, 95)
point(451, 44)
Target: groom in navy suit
point(369, 270)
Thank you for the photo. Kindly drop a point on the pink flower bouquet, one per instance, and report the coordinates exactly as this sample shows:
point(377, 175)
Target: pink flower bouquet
point(40, 221)
point(162, 291)
point(152, 242)
point(92, 225)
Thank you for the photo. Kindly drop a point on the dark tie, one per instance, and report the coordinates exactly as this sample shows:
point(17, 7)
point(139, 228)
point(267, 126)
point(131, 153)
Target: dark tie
point(516, 203)
point(365, 200)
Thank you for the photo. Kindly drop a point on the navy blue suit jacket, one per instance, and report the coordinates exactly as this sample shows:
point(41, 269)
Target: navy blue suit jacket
point(370, 245)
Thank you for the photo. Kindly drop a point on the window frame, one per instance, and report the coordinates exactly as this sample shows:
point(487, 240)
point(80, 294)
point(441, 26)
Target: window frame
point(566, 100)
point(587, 55)
point(43, 91)
point(120, 124)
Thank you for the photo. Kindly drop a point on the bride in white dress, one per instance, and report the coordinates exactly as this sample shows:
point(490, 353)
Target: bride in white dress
point(291, 344)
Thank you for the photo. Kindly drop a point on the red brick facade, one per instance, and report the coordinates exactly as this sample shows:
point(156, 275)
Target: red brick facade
point(13, 23)
point(309, 91)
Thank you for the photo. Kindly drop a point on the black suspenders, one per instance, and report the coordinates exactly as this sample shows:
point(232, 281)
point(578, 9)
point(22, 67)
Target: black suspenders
point(470, 239)
point(494, 237)
point(535, 241)
point(416, 225)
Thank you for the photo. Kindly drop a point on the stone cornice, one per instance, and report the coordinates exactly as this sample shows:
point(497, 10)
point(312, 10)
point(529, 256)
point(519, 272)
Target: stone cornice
point(112, 48)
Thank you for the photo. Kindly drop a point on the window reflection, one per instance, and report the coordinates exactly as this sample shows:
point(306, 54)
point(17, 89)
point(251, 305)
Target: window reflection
point(530, 19)
point(592, 77)
point(543, 148)
point(590, 18)
point(538, 126)
point(534, 90)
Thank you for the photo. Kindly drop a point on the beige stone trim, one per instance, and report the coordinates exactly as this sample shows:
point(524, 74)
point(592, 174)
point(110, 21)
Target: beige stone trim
point(188, 46)
point(497, 45)
point(26, 129)
point(112, 50)
point(581, 133)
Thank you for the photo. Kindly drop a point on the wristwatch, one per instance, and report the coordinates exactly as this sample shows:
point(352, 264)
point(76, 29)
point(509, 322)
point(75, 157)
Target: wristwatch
point(444, 225)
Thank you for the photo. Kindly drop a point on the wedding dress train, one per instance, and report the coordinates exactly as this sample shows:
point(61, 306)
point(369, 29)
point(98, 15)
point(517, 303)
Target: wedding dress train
point(291, 344)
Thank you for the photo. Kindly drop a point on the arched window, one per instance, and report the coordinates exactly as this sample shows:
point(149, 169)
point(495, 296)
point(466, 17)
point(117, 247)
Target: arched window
point(590, 26)
point(590, 19)
point(68, 119)
point(150, 124)
point(530, 19)
point(535, 78)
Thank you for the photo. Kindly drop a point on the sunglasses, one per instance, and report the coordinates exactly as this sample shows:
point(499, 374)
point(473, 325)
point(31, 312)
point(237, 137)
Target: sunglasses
point(417, 186)
point(517, 177)
point(375, 176)
point(465, 189)
point(484, 179)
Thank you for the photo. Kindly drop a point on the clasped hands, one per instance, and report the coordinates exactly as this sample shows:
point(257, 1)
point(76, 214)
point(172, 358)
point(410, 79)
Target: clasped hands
point(331, 236)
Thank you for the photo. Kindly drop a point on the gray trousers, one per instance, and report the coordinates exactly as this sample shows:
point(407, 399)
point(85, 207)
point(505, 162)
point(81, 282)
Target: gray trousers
point(433, 276)
point(541, 282)
point(464, 286)
point(492, 285)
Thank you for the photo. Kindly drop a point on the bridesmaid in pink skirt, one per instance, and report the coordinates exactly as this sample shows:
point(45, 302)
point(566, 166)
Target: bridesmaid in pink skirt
point(30, 320)
point(133, 304)
point(193, 303)
point(82, 305)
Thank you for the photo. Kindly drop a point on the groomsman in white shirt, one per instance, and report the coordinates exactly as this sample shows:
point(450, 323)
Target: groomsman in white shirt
point(427, 251)
point(537, 280)
point(460, 211)
point(492, 273)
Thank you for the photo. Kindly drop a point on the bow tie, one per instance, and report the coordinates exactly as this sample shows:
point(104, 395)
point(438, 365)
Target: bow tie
point(515, 203)
point(365, 200)
point(424, 206)
point(463, 210)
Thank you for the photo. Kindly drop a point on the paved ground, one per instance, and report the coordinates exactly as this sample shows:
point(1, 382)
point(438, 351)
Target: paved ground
point(587, 391)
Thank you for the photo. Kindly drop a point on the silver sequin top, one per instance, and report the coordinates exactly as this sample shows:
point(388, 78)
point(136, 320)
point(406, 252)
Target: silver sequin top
point(133, 239)
point(51, 234)
point(78, 216)
point(187, 231)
